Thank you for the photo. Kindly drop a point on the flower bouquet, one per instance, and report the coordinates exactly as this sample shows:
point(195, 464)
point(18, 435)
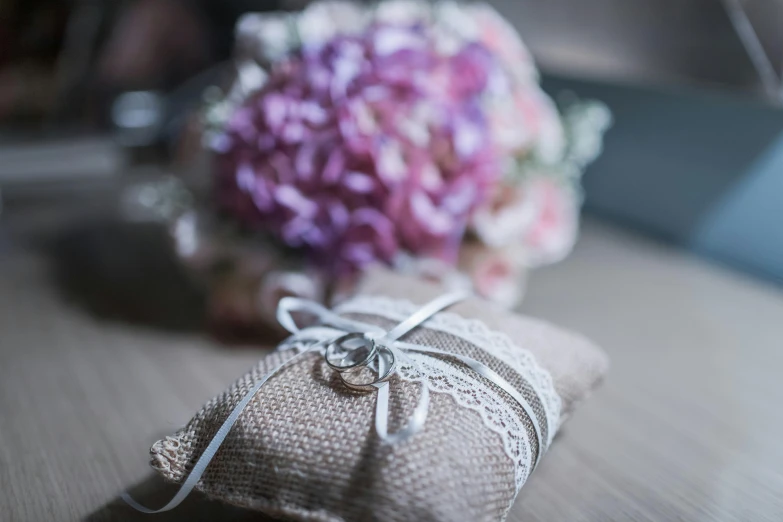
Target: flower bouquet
point(407, 133)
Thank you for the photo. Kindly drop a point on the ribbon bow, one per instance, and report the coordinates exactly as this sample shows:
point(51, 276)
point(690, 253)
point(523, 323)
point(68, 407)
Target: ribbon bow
point(350, 347)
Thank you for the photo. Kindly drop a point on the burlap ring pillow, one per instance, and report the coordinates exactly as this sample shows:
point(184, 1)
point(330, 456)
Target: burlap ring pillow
point(306, 448)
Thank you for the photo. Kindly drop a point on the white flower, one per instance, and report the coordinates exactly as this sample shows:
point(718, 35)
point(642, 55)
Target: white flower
point(538, 219)
point(504, 220)
point(323, 20)
point(509, 127)
point(587, 122)
point(266, 37)
point(250, 77)
point(527, 121)
point(456, 19)
point(550, 139)
point(452, 27)
point(403, 12)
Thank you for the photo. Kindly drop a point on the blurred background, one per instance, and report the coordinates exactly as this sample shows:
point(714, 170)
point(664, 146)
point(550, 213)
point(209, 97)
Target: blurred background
point(98, 94)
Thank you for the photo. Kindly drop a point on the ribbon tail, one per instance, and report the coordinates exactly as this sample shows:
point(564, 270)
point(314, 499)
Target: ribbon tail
point(415, 422)
point(214, 445)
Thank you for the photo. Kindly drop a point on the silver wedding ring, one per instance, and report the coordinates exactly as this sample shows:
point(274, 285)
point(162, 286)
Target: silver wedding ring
point(385, 376)
point(341, 366)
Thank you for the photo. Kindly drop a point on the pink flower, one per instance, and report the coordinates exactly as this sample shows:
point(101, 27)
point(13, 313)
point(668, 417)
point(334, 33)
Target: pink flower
point(528, 121)
point(362, 147)
point(554, 231)
point(502, 38)
point(538, 218)
point(495, 274)
point(505, 218)
point(543, 124)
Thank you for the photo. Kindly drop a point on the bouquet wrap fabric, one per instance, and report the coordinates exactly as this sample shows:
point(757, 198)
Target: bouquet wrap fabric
point(305, 447)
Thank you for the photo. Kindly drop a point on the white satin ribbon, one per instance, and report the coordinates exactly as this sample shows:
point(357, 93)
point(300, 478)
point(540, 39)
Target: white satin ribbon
point(316, 339)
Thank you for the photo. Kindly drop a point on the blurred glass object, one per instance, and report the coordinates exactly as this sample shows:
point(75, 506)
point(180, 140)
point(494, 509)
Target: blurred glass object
point(137, 117)
point(162, 200)
point(186, 234)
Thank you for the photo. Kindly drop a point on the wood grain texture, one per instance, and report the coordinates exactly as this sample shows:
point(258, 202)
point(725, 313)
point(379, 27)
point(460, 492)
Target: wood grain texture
point(687, 427)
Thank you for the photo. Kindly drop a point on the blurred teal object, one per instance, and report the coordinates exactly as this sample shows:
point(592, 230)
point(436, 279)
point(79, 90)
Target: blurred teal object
point(702, 169)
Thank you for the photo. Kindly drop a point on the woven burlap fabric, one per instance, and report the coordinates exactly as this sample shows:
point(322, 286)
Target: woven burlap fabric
point(305, 447)
point(576, 365)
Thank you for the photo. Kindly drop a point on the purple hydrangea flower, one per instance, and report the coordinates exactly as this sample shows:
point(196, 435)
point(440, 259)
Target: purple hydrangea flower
point(362, 147)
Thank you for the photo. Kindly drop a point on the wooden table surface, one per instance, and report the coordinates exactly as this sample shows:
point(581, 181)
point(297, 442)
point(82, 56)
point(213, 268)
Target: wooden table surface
point(687, 427)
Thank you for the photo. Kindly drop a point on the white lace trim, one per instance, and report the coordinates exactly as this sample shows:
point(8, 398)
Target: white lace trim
point(471, 392)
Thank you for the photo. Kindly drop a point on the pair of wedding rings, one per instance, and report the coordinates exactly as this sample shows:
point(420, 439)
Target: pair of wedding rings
point(351, 353)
